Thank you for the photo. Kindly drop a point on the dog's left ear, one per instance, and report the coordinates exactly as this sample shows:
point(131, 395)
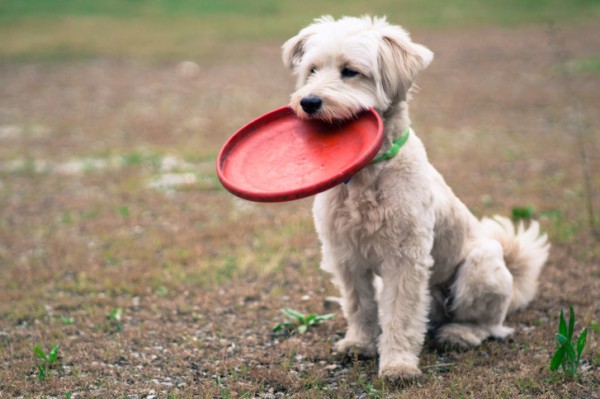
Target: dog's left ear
point(400, 60)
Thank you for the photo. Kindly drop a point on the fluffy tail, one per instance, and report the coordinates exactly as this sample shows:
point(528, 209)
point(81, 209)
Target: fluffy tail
point(525, 252)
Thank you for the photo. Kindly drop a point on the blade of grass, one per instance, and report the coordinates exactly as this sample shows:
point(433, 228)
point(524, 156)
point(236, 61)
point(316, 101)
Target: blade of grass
point(325, 317)
point(571, 324)
point(561, 339)
point(41, 372)
point(311, 319)
point(557, 359)
point(581, 343)
point(562, 325)
point(53, 354)
point(571, 360)
point(40, 353)
point(294, 314)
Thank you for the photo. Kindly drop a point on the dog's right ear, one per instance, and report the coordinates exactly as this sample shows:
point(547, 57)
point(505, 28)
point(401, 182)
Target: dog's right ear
point(293, 49)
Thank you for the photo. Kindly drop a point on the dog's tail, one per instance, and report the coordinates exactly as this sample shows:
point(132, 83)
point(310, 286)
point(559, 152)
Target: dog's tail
point(525, 252)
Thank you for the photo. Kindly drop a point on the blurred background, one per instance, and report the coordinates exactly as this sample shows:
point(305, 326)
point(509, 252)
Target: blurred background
point(202, 29)
point(118, 243)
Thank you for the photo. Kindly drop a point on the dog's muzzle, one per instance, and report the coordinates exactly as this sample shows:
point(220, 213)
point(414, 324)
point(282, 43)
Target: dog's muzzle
point(311, 104)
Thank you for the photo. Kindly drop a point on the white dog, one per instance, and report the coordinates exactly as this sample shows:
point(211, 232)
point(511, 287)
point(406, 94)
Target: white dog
point(440, 267)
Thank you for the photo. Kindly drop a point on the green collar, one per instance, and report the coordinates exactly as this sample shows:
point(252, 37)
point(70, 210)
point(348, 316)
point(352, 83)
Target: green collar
point(393, 151)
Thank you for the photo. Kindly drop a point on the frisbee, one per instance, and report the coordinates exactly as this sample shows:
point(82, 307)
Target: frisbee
point(280, 157)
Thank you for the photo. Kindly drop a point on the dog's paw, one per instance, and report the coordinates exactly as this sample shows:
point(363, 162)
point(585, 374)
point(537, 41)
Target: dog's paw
point(400, 372)
point(352, 347)
point(501, 332)
point(460, 337)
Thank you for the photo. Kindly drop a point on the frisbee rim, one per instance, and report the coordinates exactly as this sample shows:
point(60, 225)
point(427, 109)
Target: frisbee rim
point(295, 193)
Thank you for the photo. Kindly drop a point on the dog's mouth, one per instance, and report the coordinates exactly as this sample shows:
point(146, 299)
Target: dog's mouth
point(313, 107)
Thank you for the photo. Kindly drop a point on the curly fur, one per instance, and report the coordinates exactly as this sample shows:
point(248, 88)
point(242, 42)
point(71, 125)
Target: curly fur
point(405, 252)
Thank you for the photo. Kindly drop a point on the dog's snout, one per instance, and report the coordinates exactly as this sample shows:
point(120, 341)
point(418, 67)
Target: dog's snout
point(311, 104)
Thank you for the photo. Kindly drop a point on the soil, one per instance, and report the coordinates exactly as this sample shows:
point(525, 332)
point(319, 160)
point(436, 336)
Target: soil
point(173, 289)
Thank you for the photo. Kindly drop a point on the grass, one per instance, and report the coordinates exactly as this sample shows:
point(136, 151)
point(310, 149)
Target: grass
point(159, 29)
point(585, 65)
point(173, 290)
point(301, 322)
point(114, 318)
point(523, 212)
point(568, 353)
point(45, 361)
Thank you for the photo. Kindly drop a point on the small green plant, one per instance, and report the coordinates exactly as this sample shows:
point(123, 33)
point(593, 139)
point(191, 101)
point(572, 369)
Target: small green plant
point(300, 321)
point(114, 319)
point(523, 212)
point(595, 326)
point(565, 355)
point(45, 360)
point(123, 211)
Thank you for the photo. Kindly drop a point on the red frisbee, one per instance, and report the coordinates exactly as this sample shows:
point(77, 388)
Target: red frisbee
point(280, 157)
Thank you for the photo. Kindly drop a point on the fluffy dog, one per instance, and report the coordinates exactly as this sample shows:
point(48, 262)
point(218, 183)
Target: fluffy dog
point(441, 269)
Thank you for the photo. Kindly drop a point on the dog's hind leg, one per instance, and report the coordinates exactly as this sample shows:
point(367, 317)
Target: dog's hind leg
point(481, 295)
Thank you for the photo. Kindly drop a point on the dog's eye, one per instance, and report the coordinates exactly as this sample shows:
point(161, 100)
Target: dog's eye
point(348, 73)
point(313, 69)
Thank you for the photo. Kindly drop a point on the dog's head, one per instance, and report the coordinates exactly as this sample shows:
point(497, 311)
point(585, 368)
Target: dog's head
point(345, 66)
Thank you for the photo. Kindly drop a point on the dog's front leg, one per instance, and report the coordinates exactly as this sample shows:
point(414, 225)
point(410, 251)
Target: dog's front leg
point(404, 308)
point(360, 310)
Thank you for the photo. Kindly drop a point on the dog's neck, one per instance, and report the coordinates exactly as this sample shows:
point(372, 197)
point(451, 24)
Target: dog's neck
point(395, 123)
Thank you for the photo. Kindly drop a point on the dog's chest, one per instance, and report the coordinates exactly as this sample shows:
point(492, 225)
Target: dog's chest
point(352, 216)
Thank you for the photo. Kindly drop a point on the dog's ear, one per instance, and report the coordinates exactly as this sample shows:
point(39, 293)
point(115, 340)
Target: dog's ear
point(400, 60)
point(293, 49)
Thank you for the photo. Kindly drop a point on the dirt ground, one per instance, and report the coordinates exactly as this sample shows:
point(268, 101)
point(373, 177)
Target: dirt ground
point(118, 243)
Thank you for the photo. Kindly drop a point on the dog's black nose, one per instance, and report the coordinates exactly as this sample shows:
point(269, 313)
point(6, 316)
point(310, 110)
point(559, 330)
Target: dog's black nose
point(311, 104)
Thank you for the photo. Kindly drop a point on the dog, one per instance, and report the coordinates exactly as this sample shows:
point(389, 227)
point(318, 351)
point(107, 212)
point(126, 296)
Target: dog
point(407, 255)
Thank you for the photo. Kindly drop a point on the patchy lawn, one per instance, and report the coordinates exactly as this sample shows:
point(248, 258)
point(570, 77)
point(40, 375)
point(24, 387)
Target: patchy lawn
point(118, 243)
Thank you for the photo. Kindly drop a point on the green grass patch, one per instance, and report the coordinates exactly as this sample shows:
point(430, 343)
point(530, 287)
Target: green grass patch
point(301, 322)
point(159, 29)
point(585, 65)
point(113, 321)
point(568, 352)
point(45, 361)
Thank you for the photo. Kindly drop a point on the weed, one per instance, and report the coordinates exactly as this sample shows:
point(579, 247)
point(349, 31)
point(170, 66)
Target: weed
point(67, 218)
point(123, 211)
point(45, 360)
point(528, 385)
point(300, 321)
point(523, 212)
point(560, 228)
point(132, 159)
point(565, 355)
point(114, 320)
point(594, 326)
point(584, 65)
point(67, 321)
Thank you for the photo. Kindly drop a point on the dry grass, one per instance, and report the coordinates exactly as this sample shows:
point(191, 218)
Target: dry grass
point(201, 277)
